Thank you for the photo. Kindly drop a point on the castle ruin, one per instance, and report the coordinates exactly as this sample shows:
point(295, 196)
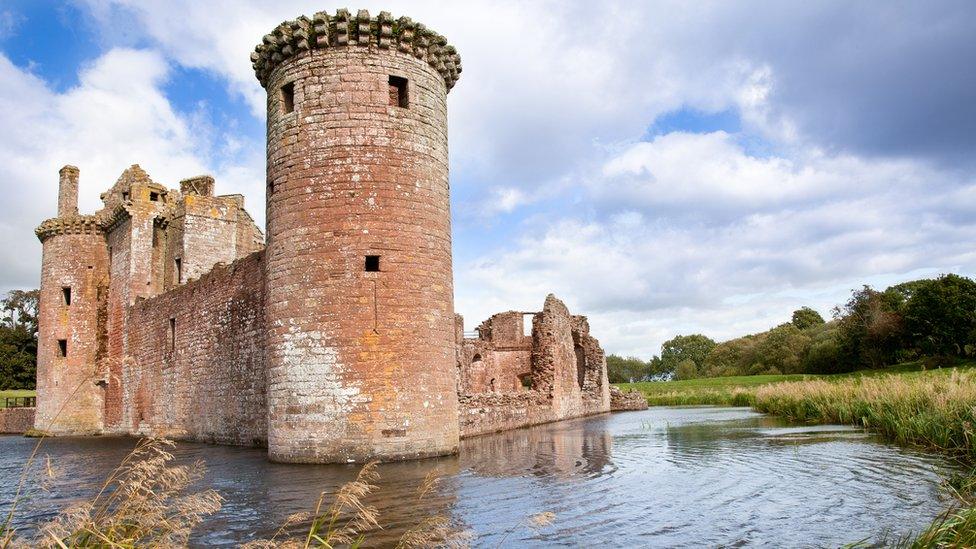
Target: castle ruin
point(334, 339)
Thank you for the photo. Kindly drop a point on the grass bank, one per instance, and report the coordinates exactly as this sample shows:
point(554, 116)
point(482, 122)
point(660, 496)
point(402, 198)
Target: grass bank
point(15, 393)
point(740, 390)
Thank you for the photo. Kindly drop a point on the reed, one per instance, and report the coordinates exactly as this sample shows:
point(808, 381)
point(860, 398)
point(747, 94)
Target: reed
point(937, 412)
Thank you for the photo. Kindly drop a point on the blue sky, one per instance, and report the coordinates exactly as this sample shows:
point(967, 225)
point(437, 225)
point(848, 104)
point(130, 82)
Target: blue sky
point(663, 167)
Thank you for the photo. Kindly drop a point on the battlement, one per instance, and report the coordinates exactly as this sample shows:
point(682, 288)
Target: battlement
point(72, 224)
point(291, 38)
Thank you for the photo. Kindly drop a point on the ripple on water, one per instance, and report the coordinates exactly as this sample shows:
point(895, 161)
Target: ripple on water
point(676, 477)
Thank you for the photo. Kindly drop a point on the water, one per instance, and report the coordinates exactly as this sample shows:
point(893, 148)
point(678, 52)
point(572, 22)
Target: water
point(667, 477)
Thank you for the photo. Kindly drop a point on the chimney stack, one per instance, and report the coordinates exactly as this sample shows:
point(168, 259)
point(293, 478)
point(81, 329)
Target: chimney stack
point(68, 191)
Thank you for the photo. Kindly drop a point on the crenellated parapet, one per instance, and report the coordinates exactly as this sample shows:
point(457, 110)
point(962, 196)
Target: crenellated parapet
point(343, 29)
point(72, 224)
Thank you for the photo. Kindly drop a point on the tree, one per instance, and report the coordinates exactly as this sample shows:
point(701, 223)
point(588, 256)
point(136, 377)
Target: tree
point(20, 309)
point(783, 349)
point(625, 370)
point(824, 354)
point(691, 347)
point(18, 340)
point(940, 316)
point(805, 317)
point(871, 328)
point(686, 369)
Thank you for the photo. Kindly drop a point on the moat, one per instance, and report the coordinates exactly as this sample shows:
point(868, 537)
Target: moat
point(666, 477)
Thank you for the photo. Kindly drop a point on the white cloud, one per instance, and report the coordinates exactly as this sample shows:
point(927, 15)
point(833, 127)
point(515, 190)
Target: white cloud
point(702, 237)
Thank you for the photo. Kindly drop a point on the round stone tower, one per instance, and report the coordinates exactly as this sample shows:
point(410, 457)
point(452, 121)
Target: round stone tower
point(74, 273)
point(358, 263)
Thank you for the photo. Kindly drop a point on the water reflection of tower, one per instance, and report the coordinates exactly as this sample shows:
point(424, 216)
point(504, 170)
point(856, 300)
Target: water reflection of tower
point(565, 449)
point(279, 490)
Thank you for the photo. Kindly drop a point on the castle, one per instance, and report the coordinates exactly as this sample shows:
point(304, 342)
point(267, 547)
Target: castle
point(332, 339)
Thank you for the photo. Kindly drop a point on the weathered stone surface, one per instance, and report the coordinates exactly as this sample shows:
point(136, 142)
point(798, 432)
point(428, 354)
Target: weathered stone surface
point(16, 421)
point(621, 401)
point(360, 362)
point(508, 379)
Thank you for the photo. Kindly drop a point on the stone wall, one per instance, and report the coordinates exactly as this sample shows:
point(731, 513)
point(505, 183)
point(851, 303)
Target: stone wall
point(16, 421)
point(196, 363)
point(566, 371)
point(621, 401)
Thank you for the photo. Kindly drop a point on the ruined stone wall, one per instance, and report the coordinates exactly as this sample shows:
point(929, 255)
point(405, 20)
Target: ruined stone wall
point(196, 363)
point(623, 401)
point(361, 362)
point(16, 421)
point(500, 359)
point(568, 374)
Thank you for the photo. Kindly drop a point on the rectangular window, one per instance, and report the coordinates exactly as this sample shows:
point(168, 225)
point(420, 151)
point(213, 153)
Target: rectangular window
point(172, 334)
point(372, 263)
point(179, 270)
point(125, 195)
point(62, 348)
point(398, 92)
point(154, 197)
point(288, 98)
point(66, 295)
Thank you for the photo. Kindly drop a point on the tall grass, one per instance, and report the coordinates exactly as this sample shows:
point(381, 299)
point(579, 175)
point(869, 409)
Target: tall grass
point(934, 411)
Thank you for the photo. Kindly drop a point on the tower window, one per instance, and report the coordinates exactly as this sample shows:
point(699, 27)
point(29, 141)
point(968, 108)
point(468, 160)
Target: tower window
point(288, 98)
point(66, 295)
point(62, 348)
point(172, 334)
point(178, 263)
point(154, 197)
point(372, 263)
point(125, 195)
point(398, 92)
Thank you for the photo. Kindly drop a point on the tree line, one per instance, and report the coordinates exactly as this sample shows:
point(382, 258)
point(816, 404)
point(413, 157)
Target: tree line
point(931, 319)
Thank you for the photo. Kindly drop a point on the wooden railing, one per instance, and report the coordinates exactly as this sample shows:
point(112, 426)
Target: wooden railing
point(20, 402)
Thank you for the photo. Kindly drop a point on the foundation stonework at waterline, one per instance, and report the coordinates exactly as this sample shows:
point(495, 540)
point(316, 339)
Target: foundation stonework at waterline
point(168, 313)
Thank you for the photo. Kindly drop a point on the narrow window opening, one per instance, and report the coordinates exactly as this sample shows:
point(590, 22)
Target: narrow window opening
point(372, 263)
point(525, 380)
point(62, 348)
point(580, 365)
point(110, 257)
point(288, 97)
point(179, 270)
point(172, 334)
point(125, 196)
point(398, 92)
point(154, 197)
point(66, 295)
point(270, 188)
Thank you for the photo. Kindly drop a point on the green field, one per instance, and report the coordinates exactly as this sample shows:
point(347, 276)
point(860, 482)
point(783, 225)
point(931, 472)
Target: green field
point(737, 390)
point(15, 393)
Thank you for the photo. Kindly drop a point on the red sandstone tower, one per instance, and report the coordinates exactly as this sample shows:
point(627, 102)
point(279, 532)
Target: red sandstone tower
point(360, 342)
point(74, 267)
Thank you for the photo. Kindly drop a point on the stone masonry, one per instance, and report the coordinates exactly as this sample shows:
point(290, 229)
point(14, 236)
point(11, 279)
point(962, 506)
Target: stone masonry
point(165, 313)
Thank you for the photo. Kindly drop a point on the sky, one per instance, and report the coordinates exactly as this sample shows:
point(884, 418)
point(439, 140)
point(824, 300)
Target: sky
point(663, 167)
